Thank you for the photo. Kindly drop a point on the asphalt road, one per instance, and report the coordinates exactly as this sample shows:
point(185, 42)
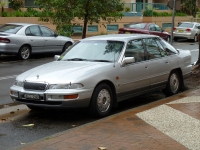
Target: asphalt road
point(45, 123)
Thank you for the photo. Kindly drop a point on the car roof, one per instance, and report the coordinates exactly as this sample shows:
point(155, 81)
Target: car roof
point(24, 24)
point(118, 37)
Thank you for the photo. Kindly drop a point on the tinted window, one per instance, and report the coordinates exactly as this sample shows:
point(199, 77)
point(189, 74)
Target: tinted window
point(33, 31)
point(158, 28)
point(137, 26)
point(46, 32)
point(10, 28)
point(186, 25)
point(135, 49)
point(153, 50)
point(168, 48)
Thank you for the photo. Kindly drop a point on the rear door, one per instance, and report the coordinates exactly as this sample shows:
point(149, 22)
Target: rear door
point(51, 41)
point(156, 30)
point(158, 62)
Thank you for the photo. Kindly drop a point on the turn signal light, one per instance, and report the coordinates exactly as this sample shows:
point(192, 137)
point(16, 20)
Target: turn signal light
point(4, 40)
point(71, 96)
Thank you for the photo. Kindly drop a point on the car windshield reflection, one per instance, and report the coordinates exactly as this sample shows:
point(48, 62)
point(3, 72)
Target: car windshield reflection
point(94, 50)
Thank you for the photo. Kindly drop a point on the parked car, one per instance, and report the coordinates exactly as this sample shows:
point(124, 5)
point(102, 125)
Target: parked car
point(100, 71)
point(186, 30)
point(25, 39)
point(145, 28)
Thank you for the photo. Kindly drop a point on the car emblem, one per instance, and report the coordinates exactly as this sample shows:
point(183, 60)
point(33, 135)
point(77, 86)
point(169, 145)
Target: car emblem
point(37, 76)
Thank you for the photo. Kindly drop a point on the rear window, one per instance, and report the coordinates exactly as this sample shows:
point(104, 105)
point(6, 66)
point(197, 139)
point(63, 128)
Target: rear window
point(186, 25)
point(10, 28)
point(137, 26)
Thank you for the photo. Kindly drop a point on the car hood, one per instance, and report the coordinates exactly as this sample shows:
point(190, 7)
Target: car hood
point(61, 71)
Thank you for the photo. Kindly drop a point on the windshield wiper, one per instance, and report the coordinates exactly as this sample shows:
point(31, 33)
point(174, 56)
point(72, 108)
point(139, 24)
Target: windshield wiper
point(102, 60)
point(75, 59)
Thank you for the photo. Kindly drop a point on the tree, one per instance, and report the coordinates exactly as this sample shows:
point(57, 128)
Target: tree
point(189, 7)
point(62, 13)
point(3, 3)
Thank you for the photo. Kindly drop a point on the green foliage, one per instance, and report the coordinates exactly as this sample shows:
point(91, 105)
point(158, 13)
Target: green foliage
point(17, 4)
point(62, 13)
point(152, 13)
point(189, 7)
point(127, 9)
point(30, 12)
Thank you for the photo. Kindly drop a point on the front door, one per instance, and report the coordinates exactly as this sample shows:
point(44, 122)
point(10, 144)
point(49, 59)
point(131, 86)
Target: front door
point(135, 76)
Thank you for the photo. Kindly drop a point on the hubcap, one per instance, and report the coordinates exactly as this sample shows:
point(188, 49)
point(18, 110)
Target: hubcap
point(103, 100)
point(174, 83)
point(25, 53)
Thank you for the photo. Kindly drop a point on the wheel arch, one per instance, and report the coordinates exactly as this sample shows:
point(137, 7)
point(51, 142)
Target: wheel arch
point(25, 45)
point(180, 75)
point(111, 85)
point(65, 44)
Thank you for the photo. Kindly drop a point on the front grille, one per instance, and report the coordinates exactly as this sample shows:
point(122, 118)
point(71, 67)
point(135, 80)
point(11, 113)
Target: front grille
point(35, 86)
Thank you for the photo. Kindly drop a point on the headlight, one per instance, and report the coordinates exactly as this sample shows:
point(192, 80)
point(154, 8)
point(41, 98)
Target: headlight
point(66, 86)
point(19, 83)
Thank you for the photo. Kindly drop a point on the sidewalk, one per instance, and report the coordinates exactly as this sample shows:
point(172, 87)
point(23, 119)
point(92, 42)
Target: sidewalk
point(169, 124)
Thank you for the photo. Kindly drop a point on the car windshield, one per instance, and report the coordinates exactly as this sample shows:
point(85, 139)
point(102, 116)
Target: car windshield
point(94, 50)
point(137, 26)
point(10, 28)
point(186, 25)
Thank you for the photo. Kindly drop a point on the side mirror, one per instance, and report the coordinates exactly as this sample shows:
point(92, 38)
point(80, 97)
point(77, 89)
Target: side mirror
point(198, 27)
point(128, 60)
point(56, 57)
point(55, 34)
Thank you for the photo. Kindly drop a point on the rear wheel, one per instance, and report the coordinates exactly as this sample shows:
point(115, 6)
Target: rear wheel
point(24, 52)
point(173, 84)
point(102, 101)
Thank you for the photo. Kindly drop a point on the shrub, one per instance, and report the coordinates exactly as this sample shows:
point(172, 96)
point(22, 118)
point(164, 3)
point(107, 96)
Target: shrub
point(17, 4)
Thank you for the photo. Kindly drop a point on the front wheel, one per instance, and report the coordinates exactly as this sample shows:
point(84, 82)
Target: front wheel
point(173, 84)
point(195, 38)
point(24, 52)
point(168, 39)
point(102, 101)
point(66, 46)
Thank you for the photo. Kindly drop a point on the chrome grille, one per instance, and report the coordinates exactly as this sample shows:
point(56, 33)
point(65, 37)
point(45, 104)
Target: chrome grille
point(35, 86)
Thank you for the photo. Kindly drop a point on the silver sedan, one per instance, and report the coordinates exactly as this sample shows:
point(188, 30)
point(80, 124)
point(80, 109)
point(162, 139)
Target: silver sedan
point(100, 71)
point(26, 39)
point(186, 30)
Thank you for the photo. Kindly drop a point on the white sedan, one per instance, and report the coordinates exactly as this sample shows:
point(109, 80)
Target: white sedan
point(100, 71)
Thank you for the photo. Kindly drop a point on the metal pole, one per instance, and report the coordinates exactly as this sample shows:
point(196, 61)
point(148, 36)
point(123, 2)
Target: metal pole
point(172, 29)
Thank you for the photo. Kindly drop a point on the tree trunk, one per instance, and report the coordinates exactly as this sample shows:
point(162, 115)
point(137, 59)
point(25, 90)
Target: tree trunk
point(198, 61)
point(85, 27)
point(2, 9)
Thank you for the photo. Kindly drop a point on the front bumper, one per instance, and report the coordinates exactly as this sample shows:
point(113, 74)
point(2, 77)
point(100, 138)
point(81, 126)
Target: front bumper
point(52, 98)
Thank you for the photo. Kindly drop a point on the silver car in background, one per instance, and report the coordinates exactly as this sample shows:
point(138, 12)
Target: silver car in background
point(24, 39)
point(100, 71)
point(186, 30)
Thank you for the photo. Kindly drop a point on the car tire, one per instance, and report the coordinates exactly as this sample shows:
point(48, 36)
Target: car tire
point(168, 39)
point(102, 101)
point(195, 38)
point(68, 44)
point(173, 84)
point(24, 52)
point(175, 39)
point(34, 107)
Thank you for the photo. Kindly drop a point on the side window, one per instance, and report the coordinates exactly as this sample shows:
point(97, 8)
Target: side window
point(33, 31)
point(153, 50)
point(152, 27)
point(135, 49)
point(158, 28)
point(168, 48)
point(46, 32)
